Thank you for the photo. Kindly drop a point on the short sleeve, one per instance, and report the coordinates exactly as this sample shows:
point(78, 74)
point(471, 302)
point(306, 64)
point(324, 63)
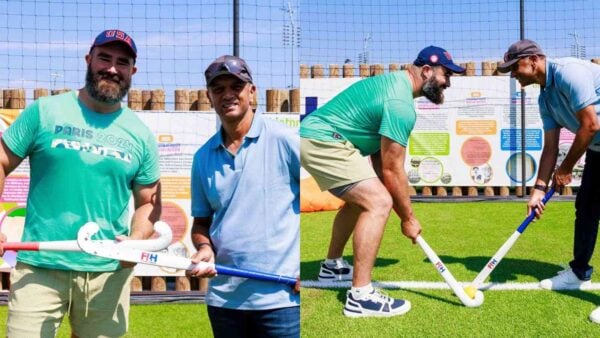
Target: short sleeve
point(149, 171)
point(21, 135)
point(200, 204)
point(294, 151)
point(398, 120)
point(576, 82)
point(548, 122)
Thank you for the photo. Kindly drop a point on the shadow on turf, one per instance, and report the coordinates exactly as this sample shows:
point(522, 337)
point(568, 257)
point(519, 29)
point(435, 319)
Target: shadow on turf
point(507, 270)
point(588, 296)
point(310, 270)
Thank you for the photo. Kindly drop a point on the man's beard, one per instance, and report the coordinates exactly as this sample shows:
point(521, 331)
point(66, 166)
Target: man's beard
point(433, 91)
point(106, 91)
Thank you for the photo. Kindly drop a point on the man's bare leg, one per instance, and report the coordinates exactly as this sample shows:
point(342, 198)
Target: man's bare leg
point(343, 225)
point(373, 204)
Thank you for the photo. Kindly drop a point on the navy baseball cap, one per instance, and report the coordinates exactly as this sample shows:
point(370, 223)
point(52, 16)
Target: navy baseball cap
point(436, 56)
point(228, 65)
point(115, 35)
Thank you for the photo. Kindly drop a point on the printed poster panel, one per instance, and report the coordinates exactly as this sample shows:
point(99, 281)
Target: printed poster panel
point(473, 139)
point(179, 135)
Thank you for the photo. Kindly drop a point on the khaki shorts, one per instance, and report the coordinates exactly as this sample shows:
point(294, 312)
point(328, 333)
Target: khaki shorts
point(39, 299)
point(334, 164)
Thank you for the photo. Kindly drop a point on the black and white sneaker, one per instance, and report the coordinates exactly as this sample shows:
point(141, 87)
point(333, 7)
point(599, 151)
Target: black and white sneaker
point(341, 270)
point(375, 304)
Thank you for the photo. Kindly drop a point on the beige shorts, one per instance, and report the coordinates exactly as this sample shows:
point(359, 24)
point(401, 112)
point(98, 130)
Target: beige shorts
point(97, 303)
point(334, 164)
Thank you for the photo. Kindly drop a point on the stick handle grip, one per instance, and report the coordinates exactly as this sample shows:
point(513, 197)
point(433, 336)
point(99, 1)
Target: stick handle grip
point(531, 215)
point(235, 272)
point(41, 246)
point(269, 277)
point(17, 246)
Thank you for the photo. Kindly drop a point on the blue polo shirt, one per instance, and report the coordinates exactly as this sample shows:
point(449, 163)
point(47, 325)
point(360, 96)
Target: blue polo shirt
point(254, 199)
point(571, 85)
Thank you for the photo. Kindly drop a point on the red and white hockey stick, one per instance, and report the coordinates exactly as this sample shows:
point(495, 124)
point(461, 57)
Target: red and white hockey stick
point(165, 236)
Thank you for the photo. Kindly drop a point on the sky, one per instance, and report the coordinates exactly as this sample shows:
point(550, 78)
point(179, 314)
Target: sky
point(42, 43)
point(394, 31)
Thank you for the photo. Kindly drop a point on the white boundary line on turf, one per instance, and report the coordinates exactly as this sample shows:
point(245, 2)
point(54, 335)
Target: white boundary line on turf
point(430, 285)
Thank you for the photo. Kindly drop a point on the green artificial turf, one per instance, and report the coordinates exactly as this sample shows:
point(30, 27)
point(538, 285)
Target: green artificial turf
point(465, 236)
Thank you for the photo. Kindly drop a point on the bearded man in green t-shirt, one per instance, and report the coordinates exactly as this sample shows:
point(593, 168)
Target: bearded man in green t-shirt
point(88, 156)
point(373, 117)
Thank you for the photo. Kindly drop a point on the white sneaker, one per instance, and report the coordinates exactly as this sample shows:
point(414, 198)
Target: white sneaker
point(375, 304)
point(564, 280)
point(341, 270)
point(595, 316)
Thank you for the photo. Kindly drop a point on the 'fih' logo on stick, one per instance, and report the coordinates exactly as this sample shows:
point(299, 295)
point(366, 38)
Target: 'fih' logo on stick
point(440, 267)
point(149, 257)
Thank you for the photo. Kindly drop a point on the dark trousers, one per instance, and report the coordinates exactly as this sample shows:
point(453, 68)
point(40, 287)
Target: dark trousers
point(230, 323)
point(587, 215)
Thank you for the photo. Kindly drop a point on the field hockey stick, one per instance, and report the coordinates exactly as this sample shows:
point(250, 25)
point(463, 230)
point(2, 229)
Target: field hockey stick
point(470, 301)
point(136, 255)
point(493, 262)
point(165, 236)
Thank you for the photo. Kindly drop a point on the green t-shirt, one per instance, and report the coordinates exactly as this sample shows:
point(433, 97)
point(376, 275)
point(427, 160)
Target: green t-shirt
point(82, 168)
point(362, 113)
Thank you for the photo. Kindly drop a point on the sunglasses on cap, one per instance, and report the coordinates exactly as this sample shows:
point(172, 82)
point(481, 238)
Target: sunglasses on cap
point(228, 65)
point(513, 56)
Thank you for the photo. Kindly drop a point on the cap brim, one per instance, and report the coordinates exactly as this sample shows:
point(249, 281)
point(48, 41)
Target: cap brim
point(129, 48)
point(505, 67)
point(455, 68)
point(208, 81)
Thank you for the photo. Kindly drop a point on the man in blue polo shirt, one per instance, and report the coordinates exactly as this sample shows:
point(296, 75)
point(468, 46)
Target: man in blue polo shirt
point(245, 203)
point(569, 98)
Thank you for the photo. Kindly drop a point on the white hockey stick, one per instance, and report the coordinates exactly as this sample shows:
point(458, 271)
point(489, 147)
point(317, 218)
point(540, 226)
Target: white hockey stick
point(493, 262)
point(136, 255)
point(450, 280)
point(165, 236)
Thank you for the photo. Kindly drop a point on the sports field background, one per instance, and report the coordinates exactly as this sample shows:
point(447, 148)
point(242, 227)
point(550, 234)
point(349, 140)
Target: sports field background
point(465, 236)
point(43, 43)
